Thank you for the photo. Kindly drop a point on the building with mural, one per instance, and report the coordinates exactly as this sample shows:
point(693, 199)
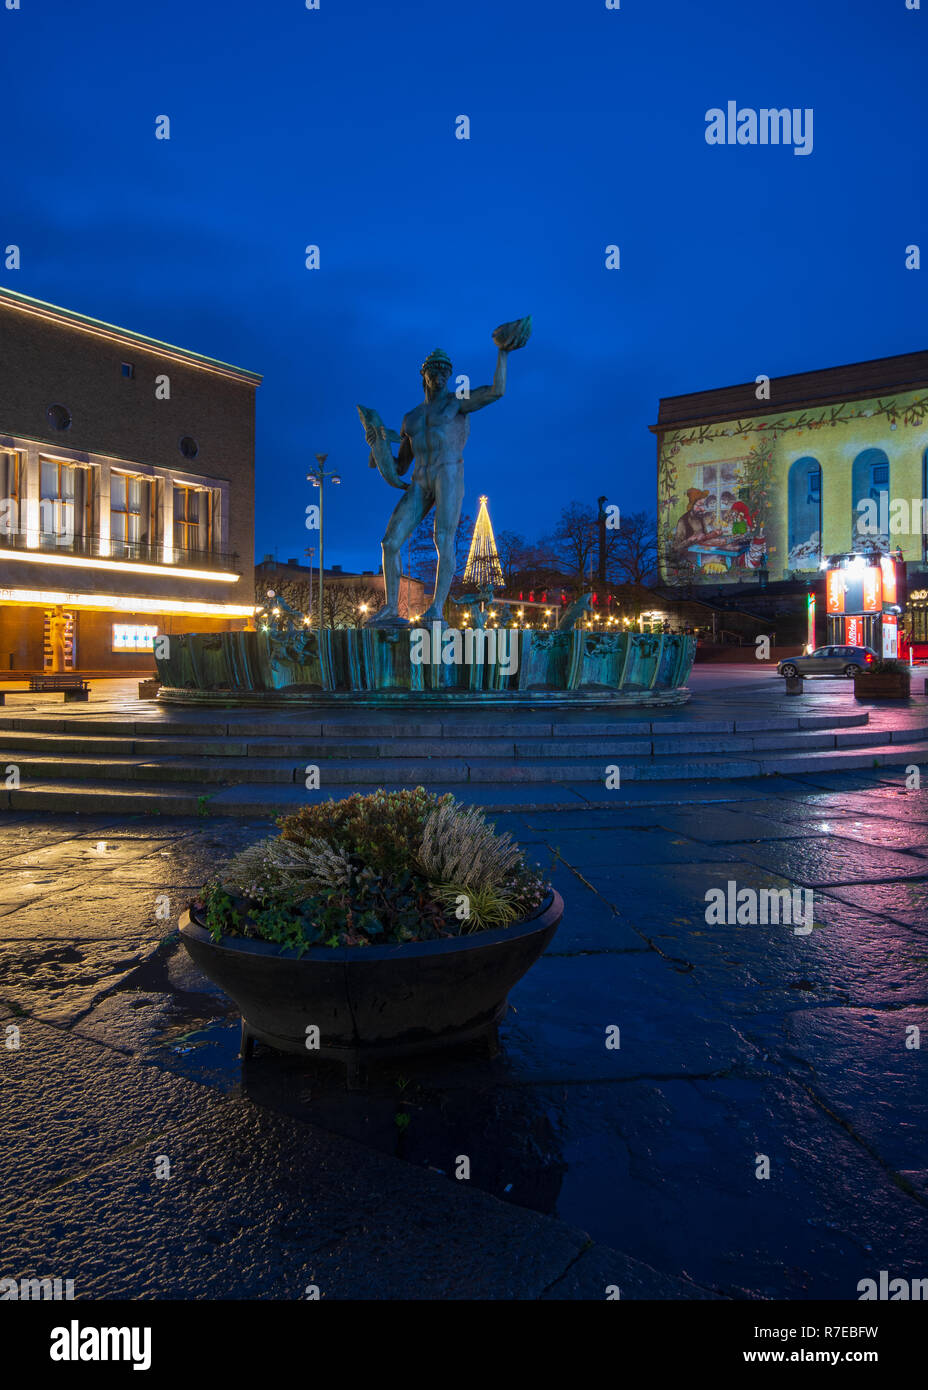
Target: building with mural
point(126, 492)
point(767, 480)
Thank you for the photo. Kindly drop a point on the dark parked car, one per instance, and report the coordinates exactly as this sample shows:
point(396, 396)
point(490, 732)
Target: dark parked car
point(828, 661)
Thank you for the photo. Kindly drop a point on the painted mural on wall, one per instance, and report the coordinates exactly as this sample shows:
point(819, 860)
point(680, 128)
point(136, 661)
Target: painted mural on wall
point(779, 492)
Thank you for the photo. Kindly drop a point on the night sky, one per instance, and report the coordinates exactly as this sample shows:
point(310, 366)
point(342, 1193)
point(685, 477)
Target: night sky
point(337, 127)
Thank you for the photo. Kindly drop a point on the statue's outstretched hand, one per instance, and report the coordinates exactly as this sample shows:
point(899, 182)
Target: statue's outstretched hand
point(510, 336)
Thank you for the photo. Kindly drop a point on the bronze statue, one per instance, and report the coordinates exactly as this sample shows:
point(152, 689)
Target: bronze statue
point(433, 436)
point(573, 616)
point(281, 615)
point(477, 604)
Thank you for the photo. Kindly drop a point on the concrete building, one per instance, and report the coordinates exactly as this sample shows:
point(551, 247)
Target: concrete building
point(126, 491)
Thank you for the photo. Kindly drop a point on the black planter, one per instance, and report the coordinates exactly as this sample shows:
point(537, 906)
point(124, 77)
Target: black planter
point(882, 685)
point(373, 1001)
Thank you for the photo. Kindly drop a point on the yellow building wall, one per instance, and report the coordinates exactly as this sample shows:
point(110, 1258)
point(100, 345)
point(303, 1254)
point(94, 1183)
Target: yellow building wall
point(834, 436)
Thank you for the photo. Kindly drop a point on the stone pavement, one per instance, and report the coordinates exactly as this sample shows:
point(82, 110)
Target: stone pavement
point(590, 1166)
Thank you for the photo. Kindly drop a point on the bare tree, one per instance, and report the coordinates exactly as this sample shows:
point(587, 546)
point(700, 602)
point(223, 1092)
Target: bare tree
point(571, 544)
point(633, 555)
point(572, 549)
point(341, 600)
point(513, 554)
point(347, 605)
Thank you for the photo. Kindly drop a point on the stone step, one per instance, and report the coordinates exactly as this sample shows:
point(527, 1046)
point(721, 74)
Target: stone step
point(350, 726)
point(46, 786)
point(271, 760)
point(82, 725)
point(649, 783)
point(65, 745)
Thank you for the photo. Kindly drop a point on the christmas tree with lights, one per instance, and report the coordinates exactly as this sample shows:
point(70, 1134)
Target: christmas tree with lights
point(483, 566)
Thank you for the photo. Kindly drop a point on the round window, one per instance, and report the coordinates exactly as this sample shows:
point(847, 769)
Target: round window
point(58, 417)
point(189, 447)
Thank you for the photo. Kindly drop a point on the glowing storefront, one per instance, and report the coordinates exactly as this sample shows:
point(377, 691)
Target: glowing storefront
point(860, 602)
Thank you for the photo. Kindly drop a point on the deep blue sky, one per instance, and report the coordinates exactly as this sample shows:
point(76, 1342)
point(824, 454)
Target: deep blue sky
point(587, 127)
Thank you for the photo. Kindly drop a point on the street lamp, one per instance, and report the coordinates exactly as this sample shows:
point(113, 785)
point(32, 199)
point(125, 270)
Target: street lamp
point(318, 477)
point(310, 551)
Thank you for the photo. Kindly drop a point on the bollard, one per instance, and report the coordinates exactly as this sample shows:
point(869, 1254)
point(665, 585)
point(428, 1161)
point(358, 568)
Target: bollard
point(794, 685)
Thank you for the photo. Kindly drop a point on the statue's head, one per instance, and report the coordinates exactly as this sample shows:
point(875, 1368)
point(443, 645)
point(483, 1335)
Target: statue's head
point(435, 370)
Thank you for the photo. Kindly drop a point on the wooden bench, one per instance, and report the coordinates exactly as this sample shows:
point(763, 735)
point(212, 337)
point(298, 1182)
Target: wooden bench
point(67, 683)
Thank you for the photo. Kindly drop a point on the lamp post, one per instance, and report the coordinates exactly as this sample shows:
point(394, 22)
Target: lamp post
point(310, 551)
point(317, 477)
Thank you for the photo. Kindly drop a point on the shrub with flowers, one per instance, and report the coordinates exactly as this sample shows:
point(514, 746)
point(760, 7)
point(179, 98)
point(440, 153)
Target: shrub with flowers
point(386, 868)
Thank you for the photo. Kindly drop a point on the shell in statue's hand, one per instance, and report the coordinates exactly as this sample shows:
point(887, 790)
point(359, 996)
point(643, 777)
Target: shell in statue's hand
point(510, 336)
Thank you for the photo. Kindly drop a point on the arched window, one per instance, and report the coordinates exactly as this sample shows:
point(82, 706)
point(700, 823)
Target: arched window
point(805, 514)
point(870, 484)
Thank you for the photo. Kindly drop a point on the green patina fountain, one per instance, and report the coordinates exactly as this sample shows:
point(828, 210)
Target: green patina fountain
point(388, 662)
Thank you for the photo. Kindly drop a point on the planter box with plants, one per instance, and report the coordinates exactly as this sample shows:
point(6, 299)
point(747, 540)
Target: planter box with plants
point(376, 925)
point(883, 680)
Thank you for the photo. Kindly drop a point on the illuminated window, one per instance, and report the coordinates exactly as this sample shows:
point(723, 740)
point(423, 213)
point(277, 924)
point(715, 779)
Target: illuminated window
point(130, 637)
point(10, 495)
point(133, 514)
point(193, 519)
point(66, 502)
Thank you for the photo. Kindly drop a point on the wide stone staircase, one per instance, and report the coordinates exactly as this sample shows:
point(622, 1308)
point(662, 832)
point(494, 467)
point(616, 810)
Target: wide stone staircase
point(139, 757)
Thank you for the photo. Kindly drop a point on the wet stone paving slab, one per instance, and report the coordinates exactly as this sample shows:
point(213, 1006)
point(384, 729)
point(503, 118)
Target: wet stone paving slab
point(684, 1106)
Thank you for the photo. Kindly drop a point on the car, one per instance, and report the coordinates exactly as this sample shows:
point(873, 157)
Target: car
point(829, 661)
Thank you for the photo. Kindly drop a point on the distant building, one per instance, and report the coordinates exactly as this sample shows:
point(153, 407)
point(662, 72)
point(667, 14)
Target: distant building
point(126, 490)
point(764, 481)
point(344, 591)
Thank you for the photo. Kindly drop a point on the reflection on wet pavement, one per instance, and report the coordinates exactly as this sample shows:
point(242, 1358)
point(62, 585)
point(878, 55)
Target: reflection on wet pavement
point(737, 1041)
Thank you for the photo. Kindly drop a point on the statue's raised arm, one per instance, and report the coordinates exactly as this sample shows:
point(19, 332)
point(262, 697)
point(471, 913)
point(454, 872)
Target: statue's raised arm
point(508, 337)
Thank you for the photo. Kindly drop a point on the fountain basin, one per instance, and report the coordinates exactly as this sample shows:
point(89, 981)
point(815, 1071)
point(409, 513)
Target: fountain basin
point(380, 666)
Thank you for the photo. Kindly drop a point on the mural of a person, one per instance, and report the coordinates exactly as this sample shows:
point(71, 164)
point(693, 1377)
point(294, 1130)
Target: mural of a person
point(691, 529)
point(742, 519)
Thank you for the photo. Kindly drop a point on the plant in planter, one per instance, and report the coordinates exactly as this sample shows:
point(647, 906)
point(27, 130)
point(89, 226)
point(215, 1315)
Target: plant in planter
point(887, 679)
point(376, 924)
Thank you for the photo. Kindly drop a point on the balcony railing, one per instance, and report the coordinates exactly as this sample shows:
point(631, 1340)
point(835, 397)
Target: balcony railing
point(138, 552)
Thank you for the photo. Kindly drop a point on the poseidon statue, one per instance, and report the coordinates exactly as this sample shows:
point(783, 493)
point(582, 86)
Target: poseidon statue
point(432, 436)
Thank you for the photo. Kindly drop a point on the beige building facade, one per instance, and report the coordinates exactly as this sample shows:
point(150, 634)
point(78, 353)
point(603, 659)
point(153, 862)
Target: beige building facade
point(126, 491)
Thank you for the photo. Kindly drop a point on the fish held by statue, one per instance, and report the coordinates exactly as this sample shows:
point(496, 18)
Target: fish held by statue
point(381, 452)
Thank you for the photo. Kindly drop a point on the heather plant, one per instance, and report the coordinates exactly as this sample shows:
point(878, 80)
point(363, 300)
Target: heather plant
point(459, 847)
point(288, 868)
point(386, 868)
